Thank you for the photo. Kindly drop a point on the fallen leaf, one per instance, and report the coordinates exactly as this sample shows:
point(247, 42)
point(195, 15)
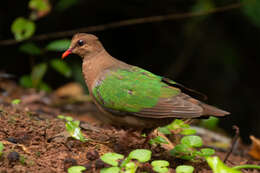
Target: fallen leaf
point(70, 90)
point(255, 148)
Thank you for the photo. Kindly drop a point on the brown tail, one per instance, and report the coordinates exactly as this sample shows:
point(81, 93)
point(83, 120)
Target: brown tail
point(211, 110)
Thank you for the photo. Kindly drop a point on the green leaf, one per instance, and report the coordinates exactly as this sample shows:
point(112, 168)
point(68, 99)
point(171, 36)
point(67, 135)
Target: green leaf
point(158, 140)
point(188, 157)
point(61, 117)
point(76, 169)
point(61, 67)
point(130, 167)
point(251, 10)
point(184, 169)
point(205, 152)
point(203, 5)
point(142, 155)
point(16, 101)
point(177, 124)
point(39, 5)
point(210, 123)
point(73, 128)
point(58, 45)
point(160, 166)
point(44, 86)
point(192, 141)
point(26, 81)
point(164, 130)
point(64, 4)
point(67, 118)
point(188, 132)
point(30, 48)
point(110, 170)
point(112, 158)
point(1, 148)
point(180, 149)
point(218, 166)
point(22, 28)
point(38, 72)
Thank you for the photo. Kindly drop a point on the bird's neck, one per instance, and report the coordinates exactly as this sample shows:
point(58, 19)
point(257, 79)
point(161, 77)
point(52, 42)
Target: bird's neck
point(93, 67)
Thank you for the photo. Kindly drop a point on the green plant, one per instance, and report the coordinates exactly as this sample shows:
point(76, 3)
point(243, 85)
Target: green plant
point(160, 166)
point(22, 159)
point(1, 148)
point(16, 101)
point(184, 169)
point(218, 166)
point(158, 140)
point(23, 28)
point(177, 126)
point(128, 165)
point(76, 169)
point(72, 126)
point(187, 149)
point(35, 79)
point(210, 123)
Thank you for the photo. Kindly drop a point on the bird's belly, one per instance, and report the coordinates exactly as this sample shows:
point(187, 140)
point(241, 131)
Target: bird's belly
point(132, 121)
point(129, 120)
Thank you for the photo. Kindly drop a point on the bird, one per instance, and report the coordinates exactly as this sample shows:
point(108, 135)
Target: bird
point(130, 96)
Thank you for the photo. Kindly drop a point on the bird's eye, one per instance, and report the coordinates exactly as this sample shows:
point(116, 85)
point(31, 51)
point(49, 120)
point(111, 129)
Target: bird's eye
point(80, 42)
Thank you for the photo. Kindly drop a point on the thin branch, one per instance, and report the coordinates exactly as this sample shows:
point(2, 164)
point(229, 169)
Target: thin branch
point(234, 143)
point(123, 23)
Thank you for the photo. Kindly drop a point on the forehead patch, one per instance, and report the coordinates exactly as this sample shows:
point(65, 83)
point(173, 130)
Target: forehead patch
point(85, 36)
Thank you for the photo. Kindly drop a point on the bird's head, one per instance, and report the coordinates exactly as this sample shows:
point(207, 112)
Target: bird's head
point(84, 45)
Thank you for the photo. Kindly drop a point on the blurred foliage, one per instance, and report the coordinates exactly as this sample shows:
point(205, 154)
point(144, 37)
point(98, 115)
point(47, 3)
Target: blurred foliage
point(22, 28)
point(251, 10)
point(203, 5)
point(61, 67)
point(39, 5)
point(30, 48)
point(65, 4)
point(210, 123)
point(58, 45)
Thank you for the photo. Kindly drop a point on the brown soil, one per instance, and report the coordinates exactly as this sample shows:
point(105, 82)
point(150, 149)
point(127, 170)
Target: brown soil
point(32, 130)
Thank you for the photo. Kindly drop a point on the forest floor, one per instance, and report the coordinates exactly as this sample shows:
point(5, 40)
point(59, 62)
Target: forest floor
point(32, 129)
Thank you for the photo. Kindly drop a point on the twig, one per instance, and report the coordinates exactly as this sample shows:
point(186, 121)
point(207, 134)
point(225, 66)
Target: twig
point(234, 142)
point(123, 23)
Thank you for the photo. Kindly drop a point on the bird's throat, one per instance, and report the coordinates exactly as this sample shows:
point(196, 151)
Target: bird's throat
point(93, 67)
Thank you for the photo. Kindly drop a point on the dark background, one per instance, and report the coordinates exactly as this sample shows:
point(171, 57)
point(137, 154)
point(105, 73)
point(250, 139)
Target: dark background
point(217, 54)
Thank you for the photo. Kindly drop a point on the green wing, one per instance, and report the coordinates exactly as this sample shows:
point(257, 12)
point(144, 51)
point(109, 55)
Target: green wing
point(139, 92)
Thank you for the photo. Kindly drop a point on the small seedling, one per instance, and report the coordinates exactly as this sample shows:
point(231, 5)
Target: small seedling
point(160, 166)
point(76, 169)
point(1, 148)
point(72, 126)
point(128, 165)
point(177, 126)
point(210, 123)
point(184, 169)
point(16, 101)
point(158, 140)
point(187, 149)
point(110, 170)
point(22, 159)
point(218, 166)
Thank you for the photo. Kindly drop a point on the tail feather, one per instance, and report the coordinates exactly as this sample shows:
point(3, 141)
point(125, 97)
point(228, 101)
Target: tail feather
point(214, 111)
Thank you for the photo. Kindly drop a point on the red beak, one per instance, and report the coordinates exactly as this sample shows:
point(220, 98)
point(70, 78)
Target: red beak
point(65, 54)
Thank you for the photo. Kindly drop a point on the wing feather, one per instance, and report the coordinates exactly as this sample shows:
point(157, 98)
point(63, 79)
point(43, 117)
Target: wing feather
point(140, 93)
